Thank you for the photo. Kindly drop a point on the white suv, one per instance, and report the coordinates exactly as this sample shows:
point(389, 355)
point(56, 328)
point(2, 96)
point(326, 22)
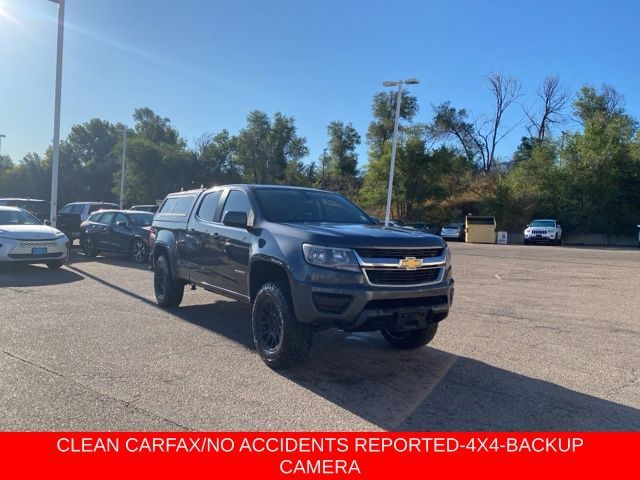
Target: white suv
point(543, 231)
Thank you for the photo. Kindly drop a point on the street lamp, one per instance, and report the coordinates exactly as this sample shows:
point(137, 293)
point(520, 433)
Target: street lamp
point(1, 137)
point(389, 83)
point(56, 119)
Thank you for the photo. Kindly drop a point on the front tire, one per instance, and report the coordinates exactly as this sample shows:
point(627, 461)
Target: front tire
point(411, 339)
point(169, 292)
point(89, 248)
point(138, 251)
point(55, 265)
point(280, 339)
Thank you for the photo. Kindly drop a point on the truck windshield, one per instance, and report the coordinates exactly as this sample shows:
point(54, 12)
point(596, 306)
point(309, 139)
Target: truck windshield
point(284, 205)
point(543, 223)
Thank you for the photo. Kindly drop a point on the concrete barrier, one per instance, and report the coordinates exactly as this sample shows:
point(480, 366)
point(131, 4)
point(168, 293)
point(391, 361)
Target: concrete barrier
point(595, 239)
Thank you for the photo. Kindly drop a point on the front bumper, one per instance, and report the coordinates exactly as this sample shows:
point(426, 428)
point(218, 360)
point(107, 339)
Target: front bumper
point(540, 238)
point(33, 251)
point(329, 298)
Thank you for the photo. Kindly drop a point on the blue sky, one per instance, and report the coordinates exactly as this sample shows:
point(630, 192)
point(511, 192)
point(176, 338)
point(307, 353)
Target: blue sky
point(206, 63)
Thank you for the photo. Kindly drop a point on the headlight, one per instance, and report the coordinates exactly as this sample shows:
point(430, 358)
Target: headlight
point(59, 235)
point(340, 258)
point(447, 258)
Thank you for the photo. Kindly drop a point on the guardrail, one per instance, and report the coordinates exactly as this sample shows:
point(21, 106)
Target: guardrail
point(595, 239)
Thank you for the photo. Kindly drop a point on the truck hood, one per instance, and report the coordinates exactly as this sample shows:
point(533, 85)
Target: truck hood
point(28, 232)
point(359, 235)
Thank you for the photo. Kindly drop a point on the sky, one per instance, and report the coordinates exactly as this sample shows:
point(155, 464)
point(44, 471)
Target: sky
point(206, 64)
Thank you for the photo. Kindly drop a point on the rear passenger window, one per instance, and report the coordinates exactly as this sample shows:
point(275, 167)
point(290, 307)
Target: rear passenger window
point(79, 209)
point(209, 205)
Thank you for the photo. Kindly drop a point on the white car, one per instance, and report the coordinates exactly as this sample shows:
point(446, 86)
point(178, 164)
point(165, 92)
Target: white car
point(543, 231)
point(24, 239)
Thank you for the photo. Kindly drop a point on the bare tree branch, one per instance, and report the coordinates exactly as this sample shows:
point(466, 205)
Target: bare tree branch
point(555, 99)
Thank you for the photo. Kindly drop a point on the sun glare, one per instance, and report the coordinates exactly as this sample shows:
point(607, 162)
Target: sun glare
point(5, 15)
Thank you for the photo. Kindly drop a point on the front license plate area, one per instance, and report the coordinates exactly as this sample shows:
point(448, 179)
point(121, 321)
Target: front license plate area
point(412, 319)
point(38, 251)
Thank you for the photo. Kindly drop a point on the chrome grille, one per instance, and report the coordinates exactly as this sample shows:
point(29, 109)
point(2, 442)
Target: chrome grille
point(38, 244)
point(399, 252)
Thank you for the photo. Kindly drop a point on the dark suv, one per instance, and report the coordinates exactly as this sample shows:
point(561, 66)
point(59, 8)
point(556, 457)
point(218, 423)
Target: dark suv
point(306, 260)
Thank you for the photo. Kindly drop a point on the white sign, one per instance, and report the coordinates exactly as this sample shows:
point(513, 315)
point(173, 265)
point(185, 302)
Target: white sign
point(502, 238)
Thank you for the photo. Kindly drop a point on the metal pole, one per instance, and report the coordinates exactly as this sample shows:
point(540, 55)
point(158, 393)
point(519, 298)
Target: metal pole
point(393, 155)
point(56, 119)
point(124, 153)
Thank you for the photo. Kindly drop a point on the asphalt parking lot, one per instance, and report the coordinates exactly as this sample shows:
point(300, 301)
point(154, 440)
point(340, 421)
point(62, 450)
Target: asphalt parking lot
point(540, 338)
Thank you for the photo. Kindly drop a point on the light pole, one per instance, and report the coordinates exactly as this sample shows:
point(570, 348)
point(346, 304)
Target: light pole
point(56, 118)
point(409, 81)
point(1, 137)
point(124, 153)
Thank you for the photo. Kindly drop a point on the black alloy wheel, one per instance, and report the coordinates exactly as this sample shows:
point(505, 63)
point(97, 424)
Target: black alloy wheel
point(138, 251)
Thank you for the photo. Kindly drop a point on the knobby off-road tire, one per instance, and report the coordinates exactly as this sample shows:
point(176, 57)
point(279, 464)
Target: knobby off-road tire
point(169, 292)
point(412, 338)
point(280, 339)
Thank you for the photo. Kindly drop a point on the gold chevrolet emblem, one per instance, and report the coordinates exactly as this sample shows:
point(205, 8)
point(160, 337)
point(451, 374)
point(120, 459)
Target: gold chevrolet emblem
point(410, 263)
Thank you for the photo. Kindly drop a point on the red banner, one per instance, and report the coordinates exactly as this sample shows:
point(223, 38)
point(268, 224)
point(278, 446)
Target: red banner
point(331, 454)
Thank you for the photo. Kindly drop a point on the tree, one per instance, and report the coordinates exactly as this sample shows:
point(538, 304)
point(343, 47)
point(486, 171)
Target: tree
point(384, 109)
point(93, 144)
point(216, 159)
point(340, 160)
point(449, 121)
point(555, 99)
point(265, 148)
point(480, 139)
point(155, 128)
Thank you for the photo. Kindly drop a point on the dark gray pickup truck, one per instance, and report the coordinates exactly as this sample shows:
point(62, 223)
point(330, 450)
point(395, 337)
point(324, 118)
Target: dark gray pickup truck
point(306, 260)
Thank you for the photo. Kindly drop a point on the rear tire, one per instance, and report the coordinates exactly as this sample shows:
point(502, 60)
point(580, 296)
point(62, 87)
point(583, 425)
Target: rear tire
point(411, 339)
point(280, 339)
point(169, 292)
point(55, 265)
point(138, 251)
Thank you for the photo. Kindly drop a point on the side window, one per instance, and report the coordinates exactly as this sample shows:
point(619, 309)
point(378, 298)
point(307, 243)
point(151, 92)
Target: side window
point(95, 217)
point(168, 205)
point(120, 217)
point(208, 207)
point(66, 209)
point(183, 205)
point(237, 201)
point(79, 209)
point(107, 217)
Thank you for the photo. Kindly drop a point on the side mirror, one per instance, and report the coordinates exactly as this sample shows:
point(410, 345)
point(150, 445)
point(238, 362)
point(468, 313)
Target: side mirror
point(235, 219)
point(47, 223)
point(121, 224)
